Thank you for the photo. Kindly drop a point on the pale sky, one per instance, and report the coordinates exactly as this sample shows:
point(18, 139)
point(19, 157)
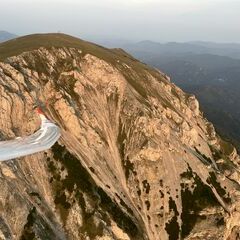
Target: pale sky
point(157, 20)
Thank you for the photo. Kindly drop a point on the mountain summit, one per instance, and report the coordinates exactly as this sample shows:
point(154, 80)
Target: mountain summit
point(136, 159)
point(4, 36)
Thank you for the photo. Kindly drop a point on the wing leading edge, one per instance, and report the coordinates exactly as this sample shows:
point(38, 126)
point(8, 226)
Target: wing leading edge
point(41, 140)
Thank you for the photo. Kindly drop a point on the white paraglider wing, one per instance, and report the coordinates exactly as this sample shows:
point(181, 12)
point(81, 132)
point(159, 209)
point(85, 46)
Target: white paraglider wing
point(41, 140)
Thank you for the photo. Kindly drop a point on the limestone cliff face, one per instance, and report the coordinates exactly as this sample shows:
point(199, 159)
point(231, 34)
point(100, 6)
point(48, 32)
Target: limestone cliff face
point(136, 160)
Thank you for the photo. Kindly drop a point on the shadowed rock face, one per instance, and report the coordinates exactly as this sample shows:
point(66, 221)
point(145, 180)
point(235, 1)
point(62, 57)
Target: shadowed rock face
point(136, 159)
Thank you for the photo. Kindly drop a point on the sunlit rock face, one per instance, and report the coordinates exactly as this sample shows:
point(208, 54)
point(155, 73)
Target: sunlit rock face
point(136, 160)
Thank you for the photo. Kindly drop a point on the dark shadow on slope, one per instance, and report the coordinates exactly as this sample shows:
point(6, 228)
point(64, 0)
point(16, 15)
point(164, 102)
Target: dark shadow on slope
point(79, 183)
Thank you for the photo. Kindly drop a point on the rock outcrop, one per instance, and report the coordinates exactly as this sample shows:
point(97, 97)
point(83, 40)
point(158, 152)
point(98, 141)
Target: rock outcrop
point(136, 160)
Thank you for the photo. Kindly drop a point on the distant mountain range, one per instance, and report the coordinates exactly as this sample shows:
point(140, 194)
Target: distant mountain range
point(209, 70)
point(174, 49)
point(4, 36)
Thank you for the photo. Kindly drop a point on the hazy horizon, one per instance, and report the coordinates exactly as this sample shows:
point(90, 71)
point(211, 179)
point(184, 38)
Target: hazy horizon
point(102, 39)
point(132, 20)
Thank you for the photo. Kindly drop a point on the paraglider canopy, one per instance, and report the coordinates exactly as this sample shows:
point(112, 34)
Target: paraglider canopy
point(39, 141)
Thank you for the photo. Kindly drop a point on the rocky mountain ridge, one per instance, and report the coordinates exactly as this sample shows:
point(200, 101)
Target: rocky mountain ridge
point(136, 159)
point(208, 70)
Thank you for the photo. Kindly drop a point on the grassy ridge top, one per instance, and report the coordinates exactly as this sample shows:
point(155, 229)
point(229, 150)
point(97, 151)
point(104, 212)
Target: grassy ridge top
point(32, 42)
point(116, 57)
point(19, 45)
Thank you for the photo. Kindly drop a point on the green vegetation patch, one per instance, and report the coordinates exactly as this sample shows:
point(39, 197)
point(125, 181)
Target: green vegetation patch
point(28, 231)
point(212, 180)
point(194, 201)
point(79, 183)
point(172, 227)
